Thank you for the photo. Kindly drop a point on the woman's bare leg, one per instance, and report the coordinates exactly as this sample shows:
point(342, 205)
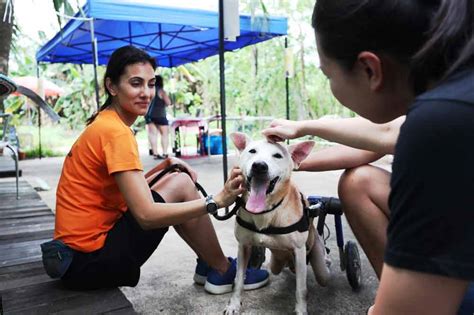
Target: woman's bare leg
point(164, 131)
point(364, 195)
point(199, 232)
point(152, 132)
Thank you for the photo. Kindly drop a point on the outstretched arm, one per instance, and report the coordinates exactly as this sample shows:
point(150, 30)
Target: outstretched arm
point(336, 158)
point(355, 132)
point(164, 96)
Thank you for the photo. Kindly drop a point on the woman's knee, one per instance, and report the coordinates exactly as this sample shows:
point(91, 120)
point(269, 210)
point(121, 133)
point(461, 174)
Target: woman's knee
point(176, 187)
point(363, 186)
point(355, 181)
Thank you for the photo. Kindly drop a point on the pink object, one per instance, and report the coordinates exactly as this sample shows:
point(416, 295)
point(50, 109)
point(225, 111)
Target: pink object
point(32, 83)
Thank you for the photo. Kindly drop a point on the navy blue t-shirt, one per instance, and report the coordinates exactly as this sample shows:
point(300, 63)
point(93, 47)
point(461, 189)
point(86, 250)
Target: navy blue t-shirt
point(431, 225)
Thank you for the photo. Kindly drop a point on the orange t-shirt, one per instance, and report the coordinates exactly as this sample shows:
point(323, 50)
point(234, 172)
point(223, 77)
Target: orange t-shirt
point(88, 200)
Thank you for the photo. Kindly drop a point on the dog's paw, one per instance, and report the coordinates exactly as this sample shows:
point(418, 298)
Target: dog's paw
point(232, 309)
point(328, 261)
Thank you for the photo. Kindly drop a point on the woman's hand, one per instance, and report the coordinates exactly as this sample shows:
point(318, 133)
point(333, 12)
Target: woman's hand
point(192, 172)
point(232, 188)
point(282, 129)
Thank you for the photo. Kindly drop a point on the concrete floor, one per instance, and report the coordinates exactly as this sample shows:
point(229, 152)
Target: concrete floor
point(166, 284)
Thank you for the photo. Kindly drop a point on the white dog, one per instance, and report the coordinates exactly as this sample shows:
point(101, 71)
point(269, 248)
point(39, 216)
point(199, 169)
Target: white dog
point(274, 216)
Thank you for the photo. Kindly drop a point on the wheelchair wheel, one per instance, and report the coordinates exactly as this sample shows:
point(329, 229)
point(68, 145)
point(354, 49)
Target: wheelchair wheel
point(353, 265)
point(257, 257)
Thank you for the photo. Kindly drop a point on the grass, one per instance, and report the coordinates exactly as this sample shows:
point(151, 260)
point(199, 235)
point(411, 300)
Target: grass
point(55, 140)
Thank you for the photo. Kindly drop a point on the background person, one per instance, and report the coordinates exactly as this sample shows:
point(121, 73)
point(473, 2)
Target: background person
point(156, 121)
point(106, 213)
point(428, 75)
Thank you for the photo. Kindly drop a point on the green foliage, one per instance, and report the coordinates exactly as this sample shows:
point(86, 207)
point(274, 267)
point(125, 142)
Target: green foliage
point(45, 152)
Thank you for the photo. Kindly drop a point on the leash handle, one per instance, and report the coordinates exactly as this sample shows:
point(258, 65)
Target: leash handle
point(238, 203)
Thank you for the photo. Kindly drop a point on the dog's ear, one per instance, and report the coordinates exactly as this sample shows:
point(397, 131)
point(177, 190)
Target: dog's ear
point(240, 140)
point(300, 151)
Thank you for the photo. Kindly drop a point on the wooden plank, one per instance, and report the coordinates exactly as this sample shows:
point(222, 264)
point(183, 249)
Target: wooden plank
point(23, 203)
point(23, 213)
point(19, 244)
point(52, 297)
point(19, 231)
point(23, 274)
point(26, 220)
point(24, 285)
point(21, 260)
point(47, 234)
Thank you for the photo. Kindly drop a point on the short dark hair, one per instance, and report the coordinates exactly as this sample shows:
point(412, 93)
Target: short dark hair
point(119, 60)
point(159, 81)
point(437, 32)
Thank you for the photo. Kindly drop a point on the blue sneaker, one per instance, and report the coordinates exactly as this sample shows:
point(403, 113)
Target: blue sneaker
point(220, 284)
point(202, 269)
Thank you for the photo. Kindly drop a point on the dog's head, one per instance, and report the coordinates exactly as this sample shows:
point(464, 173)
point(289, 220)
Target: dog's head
point(267, 167)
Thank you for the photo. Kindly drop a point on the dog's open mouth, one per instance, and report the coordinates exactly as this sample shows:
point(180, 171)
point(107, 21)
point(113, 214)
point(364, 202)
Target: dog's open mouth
point(258, 190)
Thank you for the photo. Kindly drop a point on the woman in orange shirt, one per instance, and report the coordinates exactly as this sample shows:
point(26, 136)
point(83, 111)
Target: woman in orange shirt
point(108, 220)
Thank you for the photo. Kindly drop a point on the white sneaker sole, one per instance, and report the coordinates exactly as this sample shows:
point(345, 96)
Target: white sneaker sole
point(218, 289)
point(258, 285)
point(198, 279)
point(222, 289)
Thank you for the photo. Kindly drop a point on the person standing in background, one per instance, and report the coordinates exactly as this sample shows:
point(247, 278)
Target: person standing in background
point(156, 121)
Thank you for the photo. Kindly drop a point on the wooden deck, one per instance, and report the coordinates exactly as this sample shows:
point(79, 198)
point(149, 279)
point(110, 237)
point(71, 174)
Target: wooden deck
point(24, 286)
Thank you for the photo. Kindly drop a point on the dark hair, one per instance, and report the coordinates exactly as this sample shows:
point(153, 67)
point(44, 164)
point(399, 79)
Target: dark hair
point(450, 46)
point(396, 27)
point(119, 60)
point(159, 81)
point(441, 30)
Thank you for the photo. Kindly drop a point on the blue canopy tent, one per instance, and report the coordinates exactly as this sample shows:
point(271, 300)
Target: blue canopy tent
point(174, 36)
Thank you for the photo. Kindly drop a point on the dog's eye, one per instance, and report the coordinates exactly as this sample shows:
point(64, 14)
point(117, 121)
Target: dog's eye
point(252, 151)
point(277, 156)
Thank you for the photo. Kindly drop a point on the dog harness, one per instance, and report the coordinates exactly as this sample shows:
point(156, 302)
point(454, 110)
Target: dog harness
point(301, 226)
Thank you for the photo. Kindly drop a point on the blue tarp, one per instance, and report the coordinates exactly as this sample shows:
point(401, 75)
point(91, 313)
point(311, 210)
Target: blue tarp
point(174, 36)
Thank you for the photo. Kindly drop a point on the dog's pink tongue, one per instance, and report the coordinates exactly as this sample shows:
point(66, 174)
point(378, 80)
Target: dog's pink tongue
point(256, 201)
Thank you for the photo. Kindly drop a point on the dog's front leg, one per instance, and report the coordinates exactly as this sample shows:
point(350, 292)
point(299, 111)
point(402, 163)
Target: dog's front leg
point(234, 304)
point(301, 289)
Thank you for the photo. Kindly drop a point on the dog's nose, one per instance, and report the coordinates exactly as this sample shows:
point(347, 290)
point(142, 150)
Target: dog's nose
point(259, 167)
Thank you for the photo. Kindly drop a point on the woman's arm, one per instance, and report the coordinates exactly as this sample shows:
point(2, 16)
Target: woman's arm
point(164, 96)
point(337, 158)
point(151, 215)
point(355, 132)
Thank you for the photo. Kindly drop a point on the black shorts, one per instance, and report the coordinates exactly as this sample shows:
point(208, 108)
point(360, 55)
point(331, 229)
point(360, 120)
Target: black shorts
point(159, 121)
point(118, 262)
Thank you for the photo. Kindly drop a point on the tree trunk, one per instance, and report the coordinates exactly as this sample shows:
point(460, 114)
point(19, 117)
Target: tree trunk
point(6, 31)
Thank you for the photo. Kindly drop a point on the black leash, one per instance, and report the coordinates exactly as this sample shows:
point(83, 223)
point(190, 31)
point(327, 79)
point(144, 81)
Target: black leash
point(181, 168)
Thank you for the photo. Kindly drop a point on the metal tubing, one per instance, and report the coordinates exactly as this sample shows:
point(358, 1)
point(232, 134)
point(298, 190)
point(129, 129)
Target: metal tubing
point(222, 86)
point(17, 172)
point(95, 57)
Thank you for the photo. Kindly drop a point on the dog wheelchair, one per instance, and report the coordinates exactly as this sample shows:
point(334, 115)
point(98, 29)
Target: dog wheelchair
point(348, 253)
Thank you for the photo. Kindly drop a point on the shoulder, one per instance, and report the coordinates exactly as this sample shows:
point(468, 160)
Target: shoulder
point(459, 87)
point(107, 127)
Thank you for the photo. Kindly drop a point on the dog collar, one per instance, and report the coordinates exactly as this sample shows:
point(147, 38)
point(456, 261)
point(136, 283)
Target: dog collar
point(301, 226)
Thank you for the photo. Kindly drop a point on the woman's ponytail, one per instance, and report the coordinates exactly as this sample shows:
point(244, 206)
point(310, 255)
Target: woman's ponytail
point(450, 44)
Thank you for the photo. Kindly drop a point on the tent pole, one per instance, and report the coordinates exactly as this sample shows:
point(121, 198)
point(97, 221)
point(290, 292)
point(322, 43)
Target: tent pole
point(39, 119)
point(222, 86)
point(287, 88)
point(95, 57)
